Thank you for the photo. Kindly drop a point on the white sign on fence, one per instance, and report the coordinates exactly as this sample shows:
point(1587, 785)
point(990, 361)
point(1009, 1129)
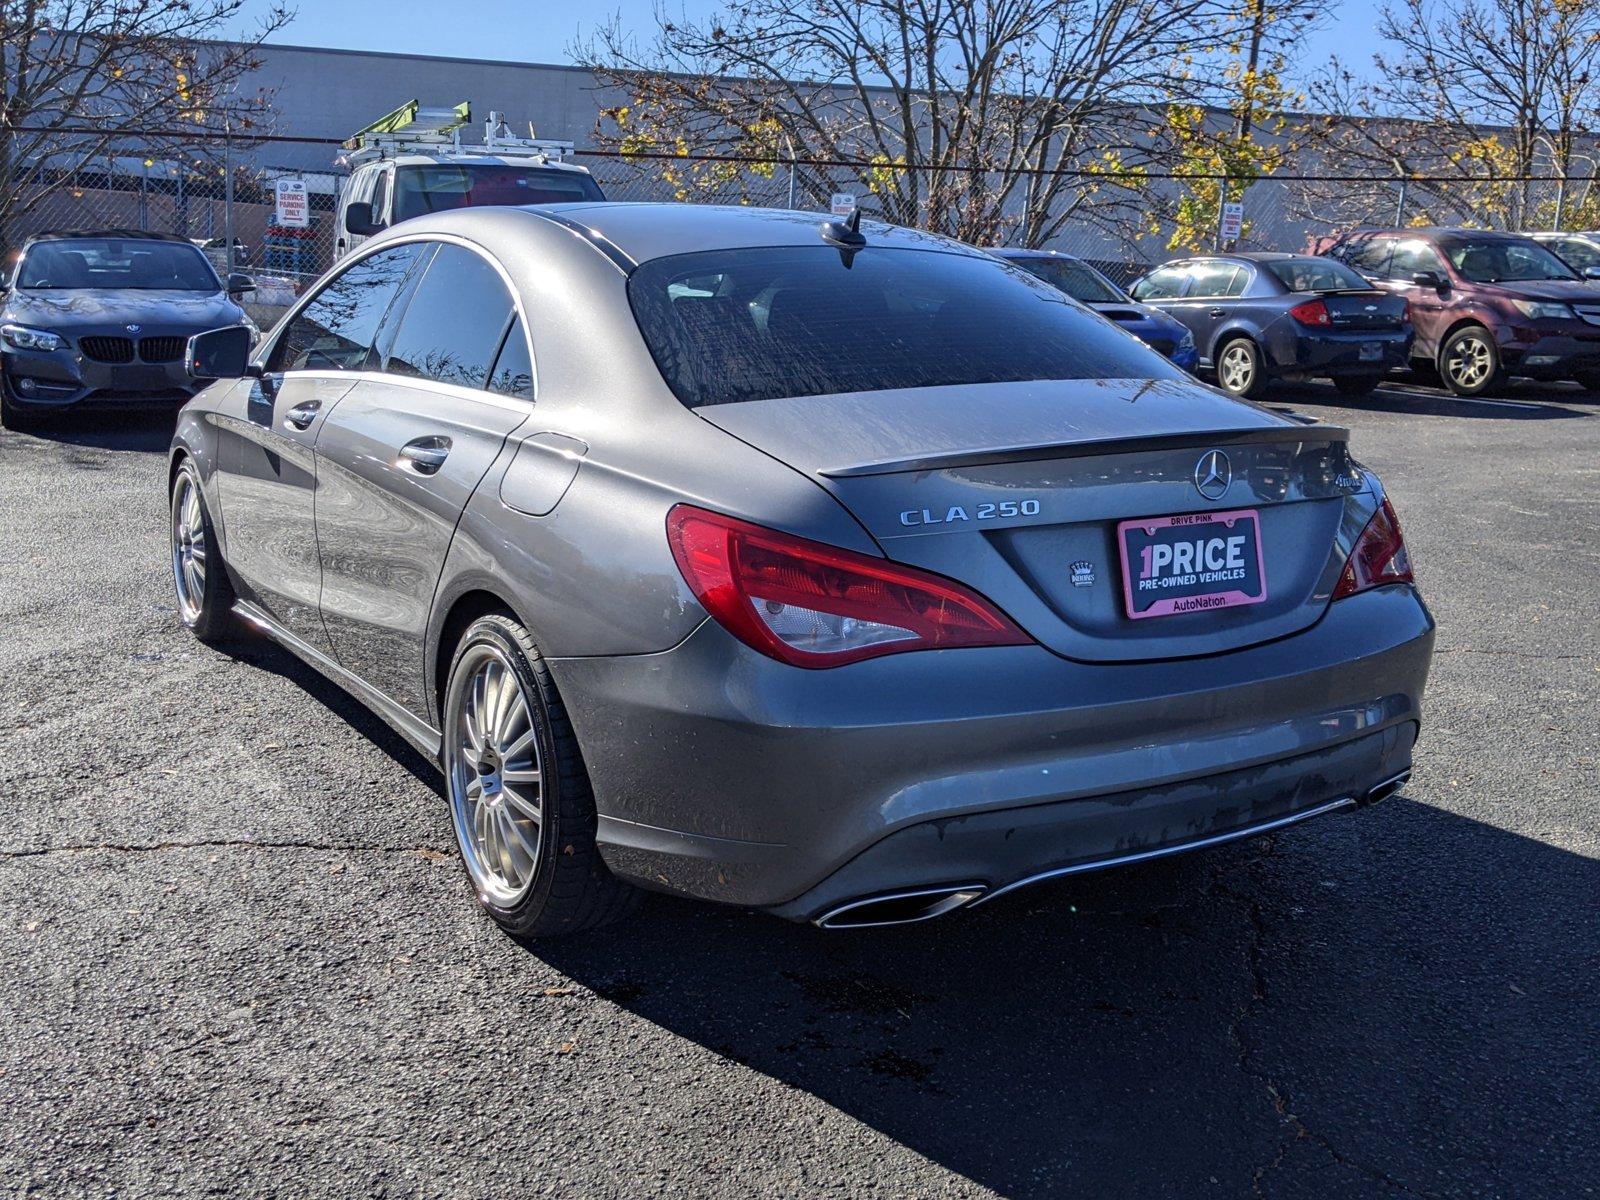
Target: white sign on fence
point(1232, 220)
point(844, 203)
point(293, 204)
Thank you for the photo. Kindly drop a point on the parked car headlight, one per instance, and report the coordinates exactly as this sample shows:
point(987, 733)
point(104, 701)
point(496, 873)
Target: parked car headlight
point(1186, 342)
point(20, 337)
point(1543, 308)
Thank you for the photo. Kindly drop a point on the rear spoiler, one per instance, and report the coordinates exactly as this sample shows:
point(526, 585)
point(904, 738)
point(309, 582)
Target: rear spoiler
point(1087, 449)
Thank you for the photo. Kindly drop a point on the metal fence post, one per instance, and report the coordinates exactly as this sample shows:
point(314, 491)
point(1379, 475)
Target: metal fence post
point(1561, 200)
point(791, 178)
point(227, 194)
point(1400, 205)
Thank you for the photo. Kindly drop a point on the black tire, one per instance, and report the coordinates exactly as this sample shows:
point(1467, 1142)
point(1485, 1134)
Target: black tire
point(207, 607)
point(1239, 368)
point(1469, 362)
point(568, 889)
point(1589, 381)
point(1356, 385)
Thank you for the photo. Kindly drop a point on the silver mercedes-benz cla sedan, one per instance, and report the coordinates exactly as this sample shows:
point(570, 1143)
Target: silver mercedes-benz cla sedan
point(846, 573)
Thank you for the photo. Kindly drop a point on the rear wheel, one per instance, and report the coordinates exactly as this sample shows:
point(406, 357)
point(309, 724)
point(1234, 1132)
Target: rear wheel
point(1589, 381)
point(205, 593)
point(1469, 362)
point(1356, 385)
point(520, 798)
point(1239, 367)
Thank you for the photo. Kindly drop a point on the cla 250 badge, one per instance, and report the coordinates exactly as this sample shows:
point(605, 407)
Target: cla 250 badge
point(1000, 510)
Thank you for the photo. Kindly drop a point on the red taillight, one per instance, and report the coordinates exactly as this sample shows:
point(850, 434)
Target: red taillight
point(1379, 556)
point(1405, 312)
point(1311, 312)
point(814, 605)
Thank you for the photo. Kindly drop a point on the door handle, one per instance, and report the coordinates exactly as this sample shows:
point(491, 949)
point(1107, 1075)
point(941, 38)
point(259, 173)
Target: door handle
point(1219, 312)
point(301, 415)
point(425, 455)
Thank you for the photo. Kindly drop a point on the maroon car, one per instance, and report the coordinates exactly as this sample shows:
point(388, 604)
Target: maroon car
point(1485, 305)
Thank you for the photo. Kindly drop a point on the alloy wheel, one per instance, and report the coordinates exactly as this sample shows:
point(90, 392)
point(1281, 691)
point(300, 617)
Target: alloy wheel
point(189, 549)
point(495, 774)
point(1237, 368)
point(1470, 362)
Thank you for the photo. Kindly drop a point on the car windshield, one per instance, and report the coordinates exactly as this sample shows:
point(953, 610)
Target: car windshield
point(1316, 275)
point(756, 324)
point(134, 263)
point(427, 189)
point(1077, 279)
point(1504, 260)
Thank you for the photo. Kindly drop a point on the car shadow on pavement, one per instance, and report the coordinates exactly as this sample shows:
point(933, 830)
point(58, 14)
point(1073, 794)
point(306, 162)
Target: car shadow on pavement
point(142, 430)
point(1365, 1005)
point(256, 650)
point(1517, 404)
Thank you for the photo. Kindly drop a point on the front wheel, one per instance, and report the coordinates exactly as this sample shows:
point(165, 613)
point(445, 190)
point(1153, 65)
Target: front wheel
point(520, 798)
point(1469, 362)
point(205, 593)
point(13, 416)
point(1239, 368)
point(1589, 381)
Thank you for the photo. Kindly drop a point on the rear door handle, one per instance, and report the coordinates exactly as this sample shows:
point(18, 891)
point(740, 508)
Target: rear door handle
point(301, 415)
point(1219, 312)
point(425, 455)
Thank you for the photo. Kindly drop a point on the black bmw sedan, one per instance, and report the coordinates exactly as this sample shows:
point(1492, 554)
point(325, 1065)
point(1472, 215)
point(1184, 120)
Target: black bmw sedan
point(105, 317)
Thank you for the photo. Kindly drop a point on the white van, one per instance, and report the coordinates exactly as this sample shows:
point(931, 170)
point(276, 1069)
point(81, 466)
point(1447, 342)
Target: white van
point(411, 170)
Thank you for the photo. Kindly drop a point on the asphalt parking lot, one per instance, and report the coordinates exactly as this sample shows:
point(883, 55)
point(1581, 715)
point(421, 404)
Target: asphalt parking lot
point(238, 956)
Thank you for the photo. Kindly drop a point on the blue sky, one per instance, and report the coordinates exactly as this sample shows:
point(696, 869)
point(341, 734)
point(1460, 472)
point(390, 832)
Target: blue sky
point(542, 31)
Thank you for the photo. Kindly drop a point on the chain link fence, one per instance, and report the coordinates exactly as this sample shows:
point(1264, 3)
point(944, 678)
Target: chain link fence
point(219, 192)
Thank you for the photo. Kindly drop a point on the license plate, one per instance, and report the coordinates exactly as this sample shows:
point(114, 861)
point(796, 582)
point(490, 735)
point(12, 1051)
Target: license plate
point(1191, 563)
point(1371, 351)
point(140, 379)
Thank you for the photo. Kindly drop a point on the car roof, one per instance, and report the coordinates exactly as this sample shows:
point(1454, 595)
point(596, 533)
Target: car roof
point(642, 231)
point(1023, 252)
point(1437, 231)
point(62, 235)
point(447, 158)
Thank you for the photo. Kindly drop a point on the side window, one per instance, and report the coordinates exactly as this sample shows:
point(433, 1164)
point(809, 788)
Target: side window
point(455, 320)
point(1163, 284)
point(1239, 283)
point(1411, 257)
point(334, 332)
point(1370, 257)
point(1213, 279)
point(513, 370)
point(380, 196)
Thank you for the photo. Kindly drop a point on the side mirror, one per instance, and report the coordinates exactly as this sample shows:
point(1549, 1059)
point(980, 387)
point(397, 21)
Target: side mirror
point(1430, 279)
point(239, 284)
point(358, 219)
point(219, 354)
point(1591, 272)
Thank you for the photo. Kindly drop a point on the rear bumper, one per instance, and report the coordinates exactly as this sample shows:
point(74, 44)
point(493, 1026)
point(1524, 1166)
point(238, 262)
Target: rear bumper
point(1296, 350)
point(724, 775)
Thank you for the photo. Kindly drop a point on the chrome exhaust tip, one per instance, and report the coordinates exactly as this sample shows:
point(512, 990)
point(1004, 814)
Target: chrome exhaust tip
point(1387, 788)
point(900, 908)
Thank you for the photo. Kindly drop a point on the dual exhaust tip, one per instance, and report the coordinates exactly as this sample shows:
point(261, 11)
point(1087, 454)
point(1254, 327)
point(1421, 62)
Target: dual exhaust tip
point(924, 904)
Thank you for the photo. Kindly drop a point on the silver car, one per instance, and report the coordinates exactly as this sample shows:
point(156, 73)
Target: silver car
point(845, 573)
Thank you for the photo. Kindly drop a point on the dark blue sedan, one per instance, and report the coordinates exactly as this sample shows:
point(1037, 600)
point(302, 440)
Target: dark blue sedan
point(1257, 317)
point(1083, 283)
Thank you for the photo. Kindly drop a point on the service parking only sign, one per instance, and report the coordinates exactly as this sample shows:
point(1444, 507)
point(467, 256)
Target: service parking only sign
point(843, 204)
point(1232, 220)
point(293, 204)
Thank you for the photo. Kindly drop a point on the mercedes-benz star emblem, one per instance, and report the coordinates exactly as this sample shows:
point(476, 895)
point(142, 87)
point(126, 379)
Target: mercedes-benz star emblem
point(1212, 475)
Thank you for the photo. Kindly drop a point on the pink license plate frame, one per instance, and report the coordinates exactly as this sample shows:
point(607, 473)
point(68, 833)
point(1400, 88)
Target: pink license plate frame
point(1194, 601)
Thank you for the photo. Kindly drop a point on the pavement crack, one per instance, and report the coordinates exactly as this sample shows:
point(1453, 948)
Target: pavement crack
point(424, 851)
point(1296, 1130)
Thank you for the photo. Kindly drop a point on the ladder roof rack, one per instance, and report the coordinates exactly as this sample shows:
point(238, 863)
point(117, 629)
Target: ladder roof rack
point(413, 129)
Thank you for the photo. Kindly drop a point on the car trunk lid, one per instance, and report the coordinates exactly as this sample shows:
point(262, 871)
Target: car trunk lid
point(1018, 490)
point(1357, 310)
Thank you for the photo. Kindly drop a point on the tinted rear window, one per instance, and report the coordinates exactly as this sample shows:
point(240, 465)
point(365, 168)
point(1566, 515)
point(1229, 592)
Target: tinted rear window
point(454, 323)
point(1076, 279)
point(1315, 275)
point(756, 324)
point(427, 189)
